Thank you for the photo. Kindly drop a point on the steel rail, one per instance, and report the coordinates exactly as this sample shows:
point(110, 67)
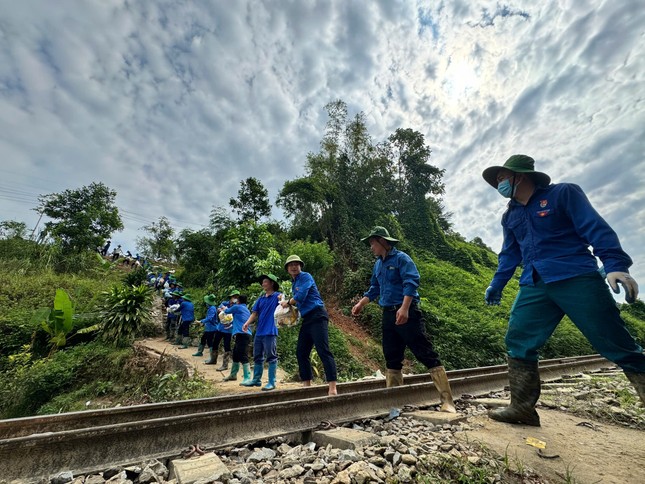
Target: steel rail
point(18, 427)
point(98, 447)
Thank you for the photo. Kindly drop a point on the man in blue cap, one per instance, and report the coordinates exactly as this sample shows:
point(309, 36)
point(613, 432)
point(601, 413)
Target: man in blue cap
point(549, 228)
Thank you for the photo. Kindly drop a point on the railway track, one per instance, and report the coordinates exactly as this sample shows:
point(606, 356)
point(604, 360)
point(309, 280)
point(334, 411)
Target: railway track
point(87, 441)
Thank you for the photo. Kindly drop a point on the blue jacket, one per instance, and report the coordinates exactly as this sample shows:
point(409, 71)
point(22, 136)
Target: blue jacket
point(552, 235)
point(393, 278)
point(306, 293)
point(240, 314)
point(211, 321)
point(265, 307)
point(187, 310)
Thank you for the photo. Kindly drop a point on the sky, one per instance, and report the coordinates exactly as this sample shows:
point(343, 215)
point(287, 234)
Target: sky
point(173, 103)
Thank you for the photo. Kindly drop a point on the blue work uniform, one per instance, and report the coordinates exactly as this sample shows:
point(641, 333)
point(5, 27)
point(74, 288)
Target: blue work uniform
point(266, 334)
point(242, 338)
point(314, 330)
point(551, 235)
point(394, 277)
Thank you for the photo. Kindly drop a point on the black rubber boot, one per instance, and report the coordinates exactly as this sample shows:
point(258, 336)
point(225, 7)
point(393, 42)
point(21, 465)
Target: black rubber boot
point(524, 379)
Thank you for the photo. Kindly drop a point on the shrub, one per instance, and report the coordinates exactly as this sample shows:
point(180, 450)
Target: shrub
point(126, 315)
point(137, 277)
point(29, 384)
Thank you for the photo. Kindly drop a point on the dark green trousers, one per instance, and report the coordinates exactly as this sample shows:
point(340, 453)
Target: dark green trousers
point(587, 301)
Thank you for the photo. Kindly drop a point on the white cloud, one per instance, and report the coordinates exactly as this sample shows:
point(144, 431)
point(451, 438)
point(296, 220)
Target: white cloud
point(173, 103)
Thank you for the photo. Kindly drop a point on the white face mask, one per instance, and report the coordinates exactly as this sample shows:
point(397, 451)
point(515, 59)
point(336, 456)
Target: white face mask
point(234, 301)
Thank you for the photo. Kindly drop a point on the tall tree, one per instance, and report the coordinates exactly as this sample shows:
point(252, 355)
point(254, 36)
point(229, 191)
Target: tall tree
point(252, 202)
point(415, 181)
point(81, 219)
point(343, 190)
point(159, 244)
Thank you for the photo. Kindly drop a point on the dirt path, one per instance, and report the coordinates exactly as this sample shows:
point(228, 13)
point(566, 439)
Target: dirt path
point(160, 345)
point(607, 454)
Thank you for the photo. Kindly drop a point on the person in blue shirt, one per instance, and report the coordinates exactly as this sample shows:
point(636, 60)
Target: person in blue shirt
point(549, 228)
point(242, 337)
point(315, 324)
point(209, 322)
point(187, 312)
point(224, 332)
point(266, 335)
point(172, 317)
point(395, 281)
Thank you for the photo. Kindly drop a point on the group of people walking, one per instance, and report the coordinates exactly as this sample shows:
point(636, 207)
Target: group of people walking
point(548, 228)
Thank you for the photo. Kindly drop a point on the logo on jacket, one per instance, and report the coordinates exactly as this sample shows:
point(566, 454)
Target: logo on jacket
point(543, 213)
point(543, 203)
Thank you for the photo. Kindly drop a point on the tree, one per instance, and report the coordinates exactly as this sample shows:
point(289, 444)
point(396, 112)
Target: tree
point(82, 218)
point(220, 219)
point(343, 192)
point(160, 244)
point(12, 229)
point(242, 248)
point(197, 252)
point(415, 180)
point(252, 202)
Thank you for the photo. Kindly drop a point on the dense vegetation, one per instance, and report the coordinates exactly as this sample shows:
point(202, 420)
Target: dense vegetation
point(49, 362)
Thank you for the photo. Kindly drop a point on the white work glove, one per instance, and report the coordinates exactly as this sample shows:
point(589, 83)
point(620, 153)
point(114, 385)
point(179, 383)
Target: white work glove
point(628, 283)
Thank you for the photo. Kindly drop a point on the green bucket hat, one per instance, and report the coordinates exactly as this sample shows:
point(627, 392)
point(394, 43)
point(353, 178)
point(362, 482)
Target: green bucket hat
point(187, 297)
point(382, 232)
point(234, 292)
point(276, 284)
point(293, 258)
point(517, 164)
point(210, 299)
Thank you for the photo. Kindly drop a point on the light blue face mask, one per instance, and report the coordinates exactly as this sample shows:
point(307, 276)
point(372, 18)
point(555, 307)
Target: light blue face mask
point(505, 188)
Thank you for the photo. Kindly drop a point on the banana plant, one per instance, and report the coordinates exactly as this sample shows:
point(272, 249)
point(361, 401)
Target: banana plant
point(57, 322)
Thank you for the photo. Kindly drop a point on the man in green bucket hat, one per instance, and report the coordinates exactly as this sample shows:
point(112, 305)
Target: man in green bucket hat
point(314, 330)
point(395, 281)
point(549, 229)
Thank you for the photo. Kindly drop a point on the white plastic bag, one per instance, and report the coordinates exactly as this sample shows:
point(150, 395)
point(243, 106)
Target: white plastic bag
point(226, 319)
point(285, 317)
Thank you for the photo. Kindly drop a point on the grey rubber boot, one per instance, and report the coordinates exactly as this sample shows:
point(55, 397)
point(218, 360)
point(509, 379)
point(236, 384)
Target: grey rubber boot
point(442, 385)
point(235, 367)
point(524, 380)
point(185, 343)
point(393, 378)
point(213, 357)
point(225, 361)
point(200, 350)
point(638, 380)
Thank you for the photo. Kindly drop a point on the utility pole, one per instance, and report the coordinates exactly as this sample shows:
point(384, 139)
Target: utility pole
point(31, 237)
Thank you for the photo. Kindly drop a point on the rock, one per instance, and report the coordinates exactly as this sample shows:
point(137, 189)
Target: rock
point(261, 455)
point(94, 479)
point(290, 472)
point(62, 477)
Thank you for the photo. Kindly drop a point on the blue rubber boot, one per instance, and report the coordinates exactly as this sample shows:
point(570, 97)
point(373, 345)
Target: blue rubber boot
point(273, 367)
point(246, 371)
point(257, 377)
